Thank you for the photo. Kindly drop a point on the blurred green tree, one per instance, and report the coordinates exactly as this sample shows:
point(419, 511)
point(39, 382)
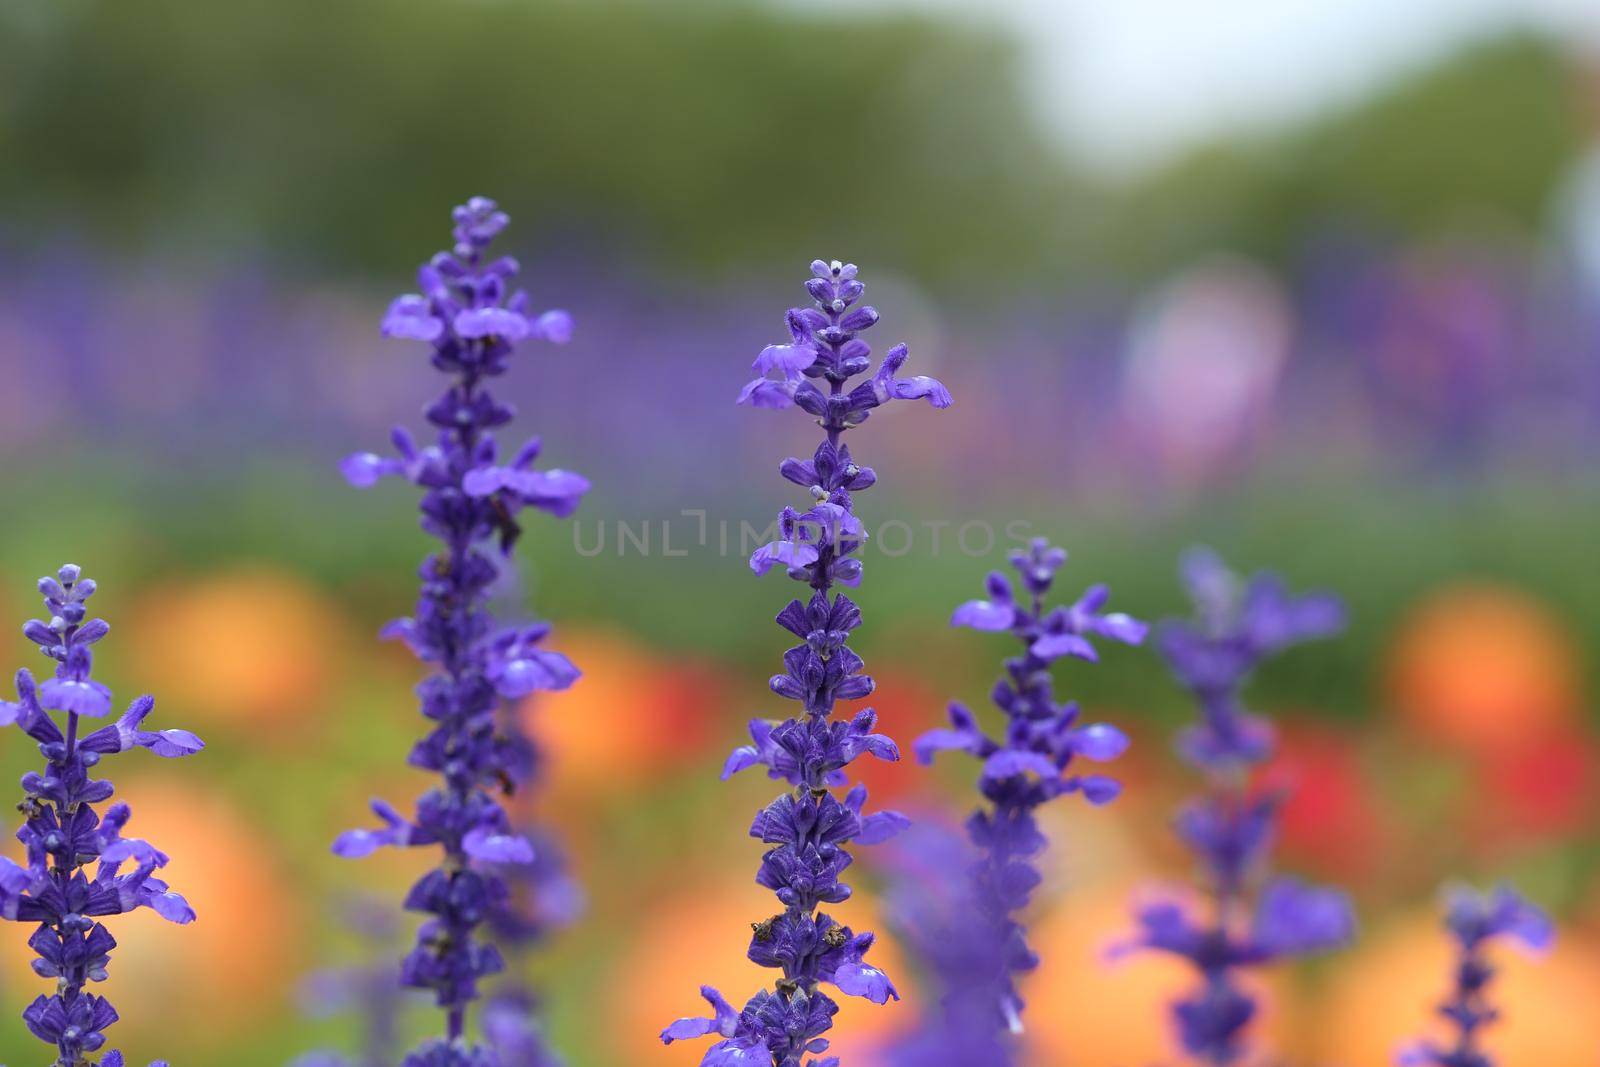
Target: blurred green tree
point(695, 133)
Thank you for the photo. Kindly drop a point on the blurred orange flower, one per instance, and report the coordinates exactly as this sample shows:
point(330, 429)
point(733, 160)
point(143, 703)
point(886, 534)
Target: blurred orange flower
point(634, 713)
point(1482, 666)
point(243, 648)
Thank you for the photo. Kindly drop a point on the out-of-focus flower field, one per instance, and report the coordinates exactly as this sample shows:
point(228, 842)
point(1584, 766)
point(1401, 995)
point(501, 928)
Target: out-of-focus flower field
point(1394, 396)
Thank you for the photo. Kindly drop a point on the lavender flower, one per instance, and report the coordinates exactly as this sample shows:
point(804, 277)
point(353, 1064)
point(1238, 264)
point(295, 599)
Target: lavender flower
point(469, 498)
point(1027, 767)
point(1230, 830)
point(938, 919)
point(1475, 920)
point(809, 826)
point(64, 833)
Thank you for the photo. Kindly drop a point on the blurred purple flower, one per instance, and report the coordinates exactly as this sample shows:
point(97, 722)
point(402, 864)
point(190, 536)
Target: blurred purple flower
point(939, 920)
point(1236, 627)
point(1026, 767)
point(63, 833)
point(1230, 829)
point(1475, 920)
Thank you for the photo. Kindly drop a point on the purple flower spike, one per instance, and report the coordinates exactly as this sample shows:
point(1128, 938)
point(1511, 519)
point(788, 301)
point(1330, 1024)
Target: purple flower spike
point(808, 827)
point(1476, 921)
point(64, 833)
point(1026, 765)
point(493, 879)
point(1236, 626)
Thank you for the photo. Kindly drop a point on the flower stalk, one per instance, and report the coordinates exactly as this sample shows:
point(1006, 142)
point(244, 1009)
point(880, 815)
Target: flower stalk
point(1252, 920)
point(1028, 765)
point(64, 833)
point(471, 499)
point(808, 827)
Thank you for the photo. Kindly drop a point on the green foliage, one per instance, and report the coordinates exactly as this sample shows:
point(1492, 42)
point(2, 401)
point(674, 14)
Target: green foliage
point(699, 132)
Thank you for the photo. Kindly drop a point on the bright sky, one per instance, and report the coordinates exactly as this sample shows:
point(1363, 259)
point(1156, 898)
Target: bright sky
point(1128, 81)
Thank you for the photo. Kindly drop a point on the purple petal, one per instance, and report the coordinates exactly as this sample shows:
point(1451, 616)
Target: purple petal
point(485, 481)
point(364, 469)
point(789, 360)
point(1099, 742)
point(765, 393)
point(1012, 761)
point(556, 491)
point(922, 386)
point(880, 826)
point(132, 848)
point(733, 1054)
point(863, 980)
point(13, 878)
point(687, 1028)
point(411, 318)
point(1054, 646)
point(1099, 790)
point(984, 615)
point(92, 631)
point(1124, 628)
point(169, 743)
point(1515, 916)
point(547, 671)
point(353, 844)
point(941, 740)
point(171, 907)
point(790, 554)
point(739, 759)
point(882, 746)
point(493, 847)
point(491, 322)
point(554, 326)
point(89, 699)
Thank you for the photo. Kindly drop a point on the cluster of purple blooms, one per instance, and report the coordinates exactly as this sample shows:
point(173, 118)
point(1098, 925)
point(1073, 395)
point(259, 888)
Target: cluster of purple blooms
point(1230, 829)
point(1028, 765)
point(64, 834)
point(1475, 920)
point(809, 827)
point(471, 320)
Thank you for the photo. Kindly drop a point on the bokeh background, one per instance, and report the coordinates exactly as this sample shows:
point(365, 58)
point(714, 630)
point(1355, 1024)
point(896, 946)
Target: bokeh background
point(1317, 284)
